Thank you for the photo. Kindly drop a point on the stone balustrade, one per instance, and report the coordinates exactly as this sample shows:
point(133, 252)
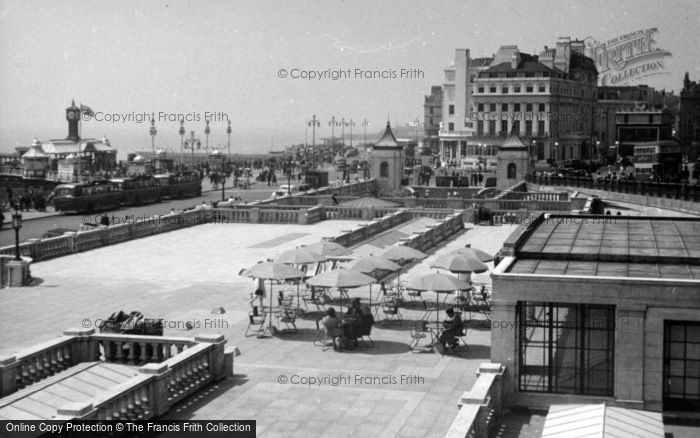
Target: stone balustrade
point(168, 370)
point(479, 407)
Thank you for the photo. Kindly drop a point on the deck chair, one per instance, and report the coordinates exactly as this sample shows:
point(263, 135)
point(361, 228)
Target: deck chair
point(256, 324)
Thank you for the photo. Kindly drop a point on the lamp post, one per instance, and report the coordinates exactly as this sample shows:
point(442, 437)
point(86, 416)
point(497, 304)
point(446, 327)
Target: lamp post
point(332, 124)
point(351, 124)
point(343, 124)
point(222, 174)
point(228, 132)
point(207, 131)
point(314, 123)
point(365, 124)
point(181, 131)
point(617, 151)
point(556, 154)
point(17, 224)
point(191, 143)
point(152, 131)
point(597, 150)
point(532, 154)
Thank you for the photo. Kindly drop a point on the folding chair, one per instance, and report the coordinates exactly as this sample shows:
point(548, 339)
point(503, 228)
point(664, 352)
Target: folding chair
point(364, 331)
point(418, 333)
point(316, 298)
point(257, 323)
point(390, 308)
point(416, 294)
point(288, 316)
point(482, 302)
point(322, 340)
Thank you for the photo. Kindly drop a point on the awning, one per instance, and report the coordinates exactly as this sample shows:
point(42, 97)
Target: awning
point(599, 420)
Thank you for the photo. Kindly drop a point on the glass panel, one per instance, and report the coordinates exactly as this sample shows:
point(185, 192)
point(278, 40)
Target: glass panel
point(692, 388)
point(676, 350)
point(676, 368)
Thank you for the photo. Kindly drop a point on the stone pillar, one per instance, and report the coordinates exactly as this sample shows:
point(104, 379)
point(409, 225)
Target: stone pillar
point(629, 353)
point(82, 349)
point(229, 354)
point(158, 393)
point(16, 272)
point(504, 343)
point(254, 215)
point(216, 355)
point(8, 375)
point(71, 236)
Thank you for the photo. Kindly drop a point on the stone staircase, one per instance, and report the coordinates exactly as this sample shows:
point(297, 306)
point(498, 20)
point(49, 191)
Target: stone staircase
point(381, 242)
point(78, 384)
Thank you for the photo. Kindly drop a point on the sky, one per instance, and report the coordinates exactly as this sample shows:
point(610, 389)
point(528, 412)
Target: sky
point(244, 60)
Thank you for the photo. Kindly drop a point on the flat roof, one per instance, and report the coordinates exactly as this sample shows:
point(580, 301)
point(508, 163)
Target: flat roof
point(617, 246)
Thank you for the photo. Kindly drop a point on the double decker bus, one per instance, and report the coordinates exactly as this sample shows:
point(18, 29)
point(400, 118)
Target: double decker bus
point(185, 185)
point(137, 190)
point(81, 197)
point(658, 160)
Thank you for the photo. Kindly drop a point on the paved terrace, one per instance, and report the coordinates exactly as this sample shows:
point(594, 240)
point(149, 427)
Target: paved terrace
point(180, 276)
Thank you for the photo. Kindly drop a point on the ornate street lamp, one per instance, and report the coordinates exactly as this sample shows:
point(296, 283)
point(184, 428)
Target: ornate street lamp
point(152, 132)
point(351, 124)
point(191, 143)
point(228, 132)
point(343, 124)
point(365, 124)
point(207, 131)
point(314, 123)
point(333, 124)
point(17, 224)
point(556, 154)
point(182, 140)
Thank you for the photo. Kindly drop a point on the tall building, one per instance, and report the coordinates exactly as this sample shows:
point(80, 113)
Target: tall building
point(689, 118)
point(432, 110)
point(546, 99)
point(640, 126)
point(457, 128)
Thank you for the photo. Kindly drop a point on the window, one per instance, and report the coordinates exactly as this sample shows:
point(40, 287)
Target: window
point(481, 89)
point(542, 88)
point(492, 89)
point(451, 109)
point(566, 348)
point(480, 127)
point(492, 107)
point(516, 107)
point(541, 107)
point(504, 90)
point(528, 127)
point(511, 171)
point(681, 366)
point(504, 107)
point(516, 127)
point(540, 149)
point(504, 128)
point(528, 89)
point(492, 127)
point(450, 126)
point(516, 89)
point(384, 169)
point(480, 107)
point(540, 128)
point(528, 107)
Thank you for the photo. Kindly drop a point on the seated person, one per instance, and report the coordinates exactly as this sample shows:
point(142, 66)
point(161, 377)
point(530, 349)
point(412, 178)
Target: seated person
point(332, 326)
point(453, 329)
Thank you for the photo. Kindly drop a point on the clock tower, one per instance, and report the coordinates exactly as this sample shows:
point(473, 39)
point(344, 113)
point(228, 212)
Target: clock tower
point(73, 117)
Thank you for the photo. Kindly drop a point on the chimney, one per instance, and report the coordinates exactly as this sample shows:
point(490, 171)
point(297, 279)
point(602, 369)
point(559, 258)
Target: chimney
point(515, 60)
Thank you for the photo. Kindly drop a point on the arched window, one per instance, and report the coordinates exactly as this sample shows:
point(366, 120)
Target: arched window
point(384, 169)
point(511, 171)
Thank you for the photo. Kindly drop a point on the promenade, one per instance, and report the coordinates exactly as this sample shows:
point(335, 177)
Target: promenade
point(180, 276)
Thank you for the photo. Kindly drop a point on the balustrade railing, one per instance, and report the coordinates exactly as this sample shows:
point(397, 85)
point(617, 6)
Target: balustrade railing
point(170, 370)
point(684, 192)
point(480, 407)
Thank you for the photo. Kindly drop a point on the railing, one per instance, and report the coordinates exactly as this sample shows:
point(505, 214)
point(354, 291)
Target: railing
point(365, 231)
point(171, 369)
point(434, 234)
point(480, 406)
point(685, 192)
